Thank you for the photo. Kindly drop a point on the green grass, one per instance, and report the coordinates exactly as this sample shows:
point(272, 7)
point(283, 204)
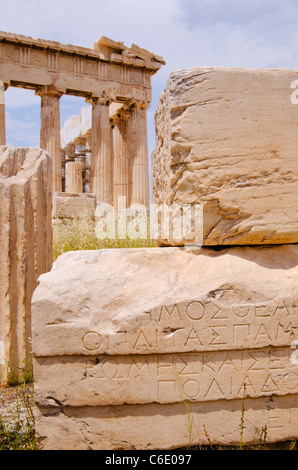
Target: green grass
point(79, 234)
point(17, 425)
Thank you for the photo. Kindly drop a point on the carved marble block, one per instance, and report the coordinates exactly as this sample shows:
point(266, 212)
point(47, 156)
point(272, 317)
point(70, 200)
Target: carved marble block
point(128, 342)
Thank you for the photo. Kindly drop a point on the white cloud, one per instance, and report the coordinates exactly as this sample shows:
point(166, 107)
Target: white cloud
point(13, 124)
point(21, 132)
point(18, 98)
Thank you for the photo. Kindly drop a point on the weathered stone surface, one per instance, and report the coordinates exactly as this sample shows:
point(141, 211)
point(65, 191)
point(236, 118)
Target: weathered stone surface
point(154, 426)
point(212, 326)
point(109, 68)
point(74, 177)
point(173, 378)
point(226, 138)
point(50, 138)
point(73, 205)
point(26, 247)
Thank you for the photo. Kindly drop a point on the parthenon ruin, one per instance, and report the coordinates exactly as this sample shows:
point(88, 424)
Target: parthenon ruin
point(115, 80)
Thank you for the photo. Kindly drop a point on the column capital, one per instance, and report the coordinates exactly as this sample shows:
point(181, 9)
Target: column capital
point(123, 111)
point(136, 104)
point(145, 105)
point(121, 115)
point(48, 90)
point(3, 86)
point(100, 100)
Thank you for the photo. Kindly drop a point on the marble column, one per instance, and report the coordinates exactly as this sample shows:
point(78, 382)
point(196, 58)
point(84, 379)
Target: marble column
point(87, 163)
point(2, 114)
point(121, 162)
point(74, 177)
point(101, 152)
point(138, 155)
point(50, 131)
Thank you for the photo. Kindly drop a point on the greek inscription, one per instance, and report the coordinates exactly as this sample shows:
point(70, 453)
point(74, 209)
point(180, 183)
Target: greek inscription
point(190, 365)
point(207, 358)
point(262, 334)
point(191, 389)
point(197, 377)
point(138, 366)
point(219, 314)
point(196, 310)
point(171, 312)
point(284, 330)
point(198, 326)
point(240, 333)
point(142, 341)
point(278, 418)
point(241, 310)
point(277, 360)
point(270, 385)
point(92, 341)
point(218, 339)
point(214, 390)
point(228, 362)
point(165, 365)
point(246, 387)
point(257, 360)
point(193, 336)
point(165, 388)
point(262, 311)
point(291, 381)
point(282, 308)
point(110, 368)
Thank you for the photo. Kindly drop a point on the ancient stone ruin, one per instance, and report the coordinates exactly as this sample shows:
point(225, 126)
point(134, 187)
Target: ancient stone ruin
point(144, 341)
point(116, 80)
point(160, 348)
point(222, 142)
point(76, 147)
point(131, 344)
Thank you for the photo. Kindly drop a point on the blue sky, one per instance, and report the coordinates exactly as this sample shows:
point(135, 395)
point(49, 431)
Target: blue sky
point(233, 33)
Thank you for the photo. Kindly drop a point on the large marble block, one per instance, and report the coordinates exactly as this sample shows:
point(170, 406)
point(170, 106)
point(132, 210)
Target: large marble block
point(128, 344)
point(227, 138)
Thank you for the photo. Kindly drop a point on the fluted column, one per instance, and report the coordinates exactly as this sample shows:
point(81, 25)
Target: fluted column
point(50, 131)
point(26, 249)
point(101, 152)
point(2, 114)
point(74, 177)
point(138, 155)
point(121, 162)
